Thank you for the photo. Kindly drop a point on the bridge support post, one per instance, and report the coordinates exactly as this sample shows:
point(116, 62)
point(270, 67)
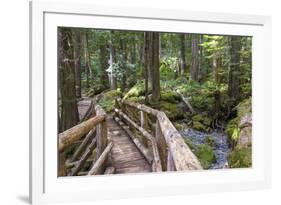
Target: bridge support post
point(101, 134)
point(170, 162)
point(101, 138)
point(144, 125)
point(162, 147)
point(61, 170)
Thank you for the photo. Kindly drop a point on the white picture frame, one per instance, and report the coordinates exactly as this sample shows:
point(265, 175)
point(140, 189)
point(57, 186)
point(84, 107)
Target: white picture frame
point(46, 187)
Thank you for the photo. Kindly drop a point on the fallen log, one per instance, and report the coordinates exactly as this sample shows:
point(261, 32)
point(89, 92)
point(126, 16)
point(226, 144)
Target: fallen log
point(185, 100)
point(69, 136)
point(101, 160)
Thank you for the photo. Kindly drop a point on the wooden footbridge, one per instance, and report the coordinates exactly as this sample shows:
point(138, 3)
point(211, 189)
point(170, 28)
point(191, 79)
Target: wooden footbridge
point(135, 139)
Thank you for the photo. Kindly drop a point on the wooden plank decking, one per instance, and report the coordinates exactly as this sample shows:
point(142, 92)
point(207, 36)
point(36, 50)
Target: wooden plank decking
point(126, 158)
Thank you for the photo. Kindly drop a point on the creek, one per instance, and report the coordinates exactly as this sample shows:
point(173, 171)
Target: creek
point(220, 146)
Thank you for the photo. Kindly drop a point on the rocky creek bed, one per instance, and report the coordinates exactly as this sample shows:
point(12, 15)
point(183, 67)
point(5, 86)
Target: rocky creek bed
point(217, 140)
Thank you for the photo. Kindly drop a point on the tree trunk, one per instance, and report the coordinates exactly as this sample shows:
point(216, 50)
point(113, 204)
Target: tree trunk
point(133, 51)
point(182, 54)
point(151, 64)
point(146, 62)
point(155, 73)
point(160, 47)
point(77, 58)
point(123, 63)
point(69, 112)
point(86, 59)
point(104, 65)
point(234, 68)
point(200, 55)
point(215, 68)
point(112, 77)
point(195, 58)
point(217, 94)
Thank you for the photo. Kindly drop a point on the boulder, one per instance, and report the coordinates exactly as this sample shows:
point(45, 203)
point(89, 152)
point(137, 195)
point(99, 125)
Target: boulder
point(245, 125)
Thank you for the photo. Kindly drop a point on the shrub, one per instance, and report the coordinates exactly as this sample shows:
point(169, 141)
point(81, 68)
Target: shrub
point(205, 155)
point(107, 100)
point(240, 157)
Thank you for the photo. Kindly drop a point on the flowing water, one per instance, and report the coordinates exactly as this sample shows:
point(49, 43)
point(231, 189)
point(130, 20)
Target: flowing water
point(221, 146)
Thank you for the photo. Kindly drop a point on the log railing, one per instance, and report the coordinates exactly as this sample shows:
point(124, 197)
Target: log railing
point(170, 152)
point(96, 139)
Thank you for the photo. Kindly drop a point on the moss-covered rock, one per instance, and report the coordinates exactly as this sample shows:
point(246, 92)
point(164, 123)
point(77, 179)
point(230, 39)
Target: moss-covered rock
point(172, 111)
point(197, 118)
point(240, 157)
point(203, 119)
point(140, 99)
point(206, 155)
point(207, 121)
point(170, 96)
point(107, 100)
point(244, 107)
point(233, 128)
point(137, 90)
point(233, 131)
point(199, 126)
point(95, 89)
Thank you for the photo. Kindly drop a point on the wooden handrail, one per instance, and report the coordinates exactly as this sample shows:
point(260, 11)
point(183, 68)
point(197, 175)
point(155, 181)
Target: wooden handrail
point(84, 157)
point(141, 107)
point(83, 145)
point(156, 161)
point(173, 151)
point(183, 157)
point(101, 160)
point(69, 136)
point(96, 130)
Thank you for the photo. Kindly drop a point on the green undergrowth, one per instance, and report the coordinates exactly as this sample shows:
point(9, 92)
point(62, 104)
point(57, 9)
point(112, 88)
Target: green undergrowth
point(205, 155)
point(202, 94)
point(203, 152)
point(232, 129)
point(95, 89)
point(201, 122)
point(240, 157)
point(136, 91)
point(169, 100)
point(107, 101)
